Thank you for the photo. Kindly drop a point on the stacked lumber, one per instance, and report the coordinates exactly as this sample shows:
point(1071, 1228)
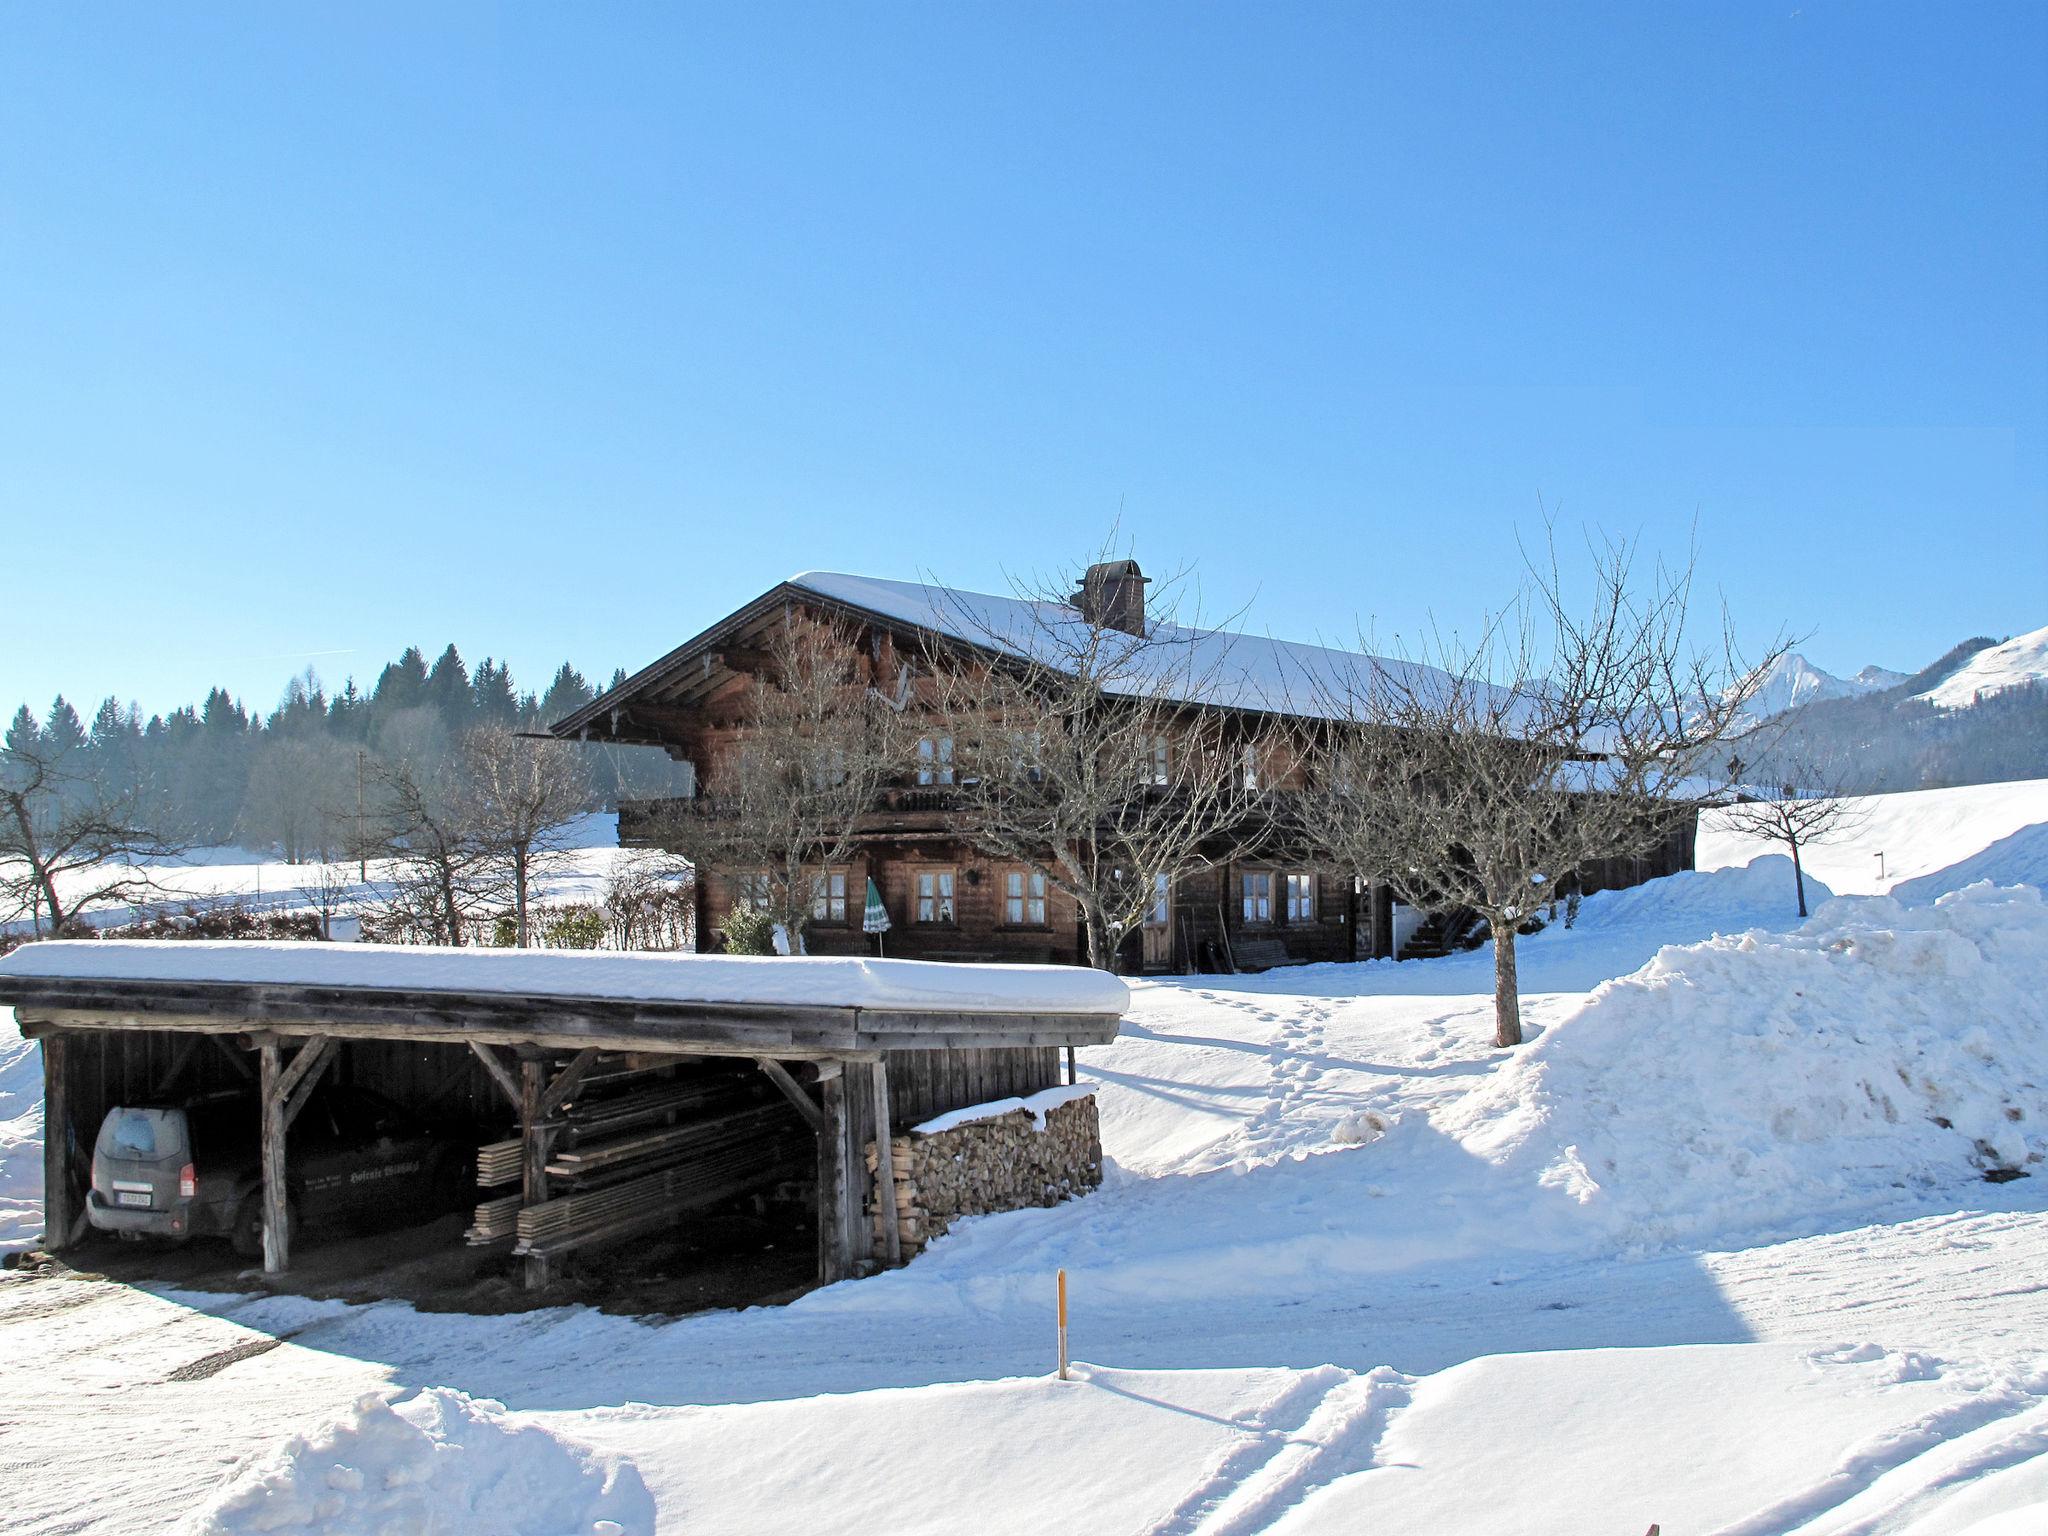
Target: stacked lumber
point(497, 1162)
point(637, 1146)
point(495, 1221)
point(1002, 1163)
point(720, 1159)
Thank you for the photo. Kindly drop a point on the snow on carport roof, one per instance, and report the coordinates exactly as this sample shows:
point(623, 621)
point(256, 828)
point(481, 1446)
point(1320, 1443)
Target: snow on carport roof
point(903, 986)
point(1231, 669)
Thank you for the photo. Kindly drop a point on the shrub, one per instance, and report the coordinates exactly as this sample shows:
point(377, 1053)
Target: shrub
point(748, 932)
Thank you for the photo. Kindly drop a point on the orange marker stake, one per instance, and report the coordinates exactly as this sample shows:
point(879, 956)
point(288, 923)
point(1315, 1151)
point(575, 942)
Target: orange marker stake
point(1063, 1325)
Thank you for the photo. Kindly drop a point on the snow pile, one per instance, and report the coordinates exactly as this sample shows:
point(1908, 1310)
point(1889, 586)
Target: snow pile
point(1036, 1105)
point(439, 1461)
point(2021, 660)
point(2020, 859)
point(1701, 901)
point(21, 1136)
point(1765, 1083)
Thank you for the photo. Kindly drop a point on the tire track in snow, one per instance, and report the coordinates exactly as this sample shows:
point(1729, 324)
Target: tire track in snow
point(1884, 1454)
point(1325, 1426)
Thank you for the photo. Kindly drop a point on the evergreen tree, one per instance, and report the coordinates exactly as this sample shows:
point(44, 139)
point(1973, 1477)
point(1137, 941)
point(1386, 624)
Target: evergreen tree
point(347, 716)
point(447, 689)
point(63, 732)
point(402, 685)
point(25, 732)
point(492, 698)
point(566, 694)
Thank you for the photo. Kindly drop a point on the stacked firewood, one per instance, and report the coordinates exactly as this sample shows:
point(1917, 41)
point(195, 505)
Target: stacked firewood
point(1003, 1163)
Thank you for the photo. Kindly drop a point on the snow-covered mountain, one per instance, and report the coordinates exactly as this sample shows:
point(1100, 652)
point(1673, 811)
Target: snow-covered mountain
point(1792, 680)
point(2021, 660)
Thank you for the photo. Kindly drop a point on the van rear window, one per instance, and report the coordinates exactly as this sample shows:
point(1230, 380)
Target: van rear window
point(131, 1133)
point(149, 1134)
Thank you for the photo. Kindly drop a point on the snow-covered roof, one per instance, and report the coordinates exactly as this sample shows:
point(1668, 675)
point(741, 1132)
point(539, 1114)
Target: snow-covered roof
point(1222, 667)
point(897, 986)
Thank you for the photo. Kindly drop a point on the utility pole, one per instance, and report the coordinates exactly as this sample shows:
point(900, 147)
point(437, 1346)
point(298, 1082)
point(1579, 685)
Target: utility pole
point(362, 852)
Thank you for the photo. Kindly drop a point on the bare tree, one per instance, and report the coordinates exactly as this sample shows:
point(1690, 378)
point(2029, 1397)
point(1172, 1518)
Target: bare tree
point(814, 752)
point(439, 868)
point(1088, 750)
point(69, 842)
point(1481, 776)
point(519, 794)
point(331, 892)
point(1811, 809)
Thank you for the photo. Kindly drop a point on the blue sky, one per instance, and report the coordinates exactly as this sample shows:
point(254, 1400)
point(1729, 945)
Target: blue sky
point(561, 331)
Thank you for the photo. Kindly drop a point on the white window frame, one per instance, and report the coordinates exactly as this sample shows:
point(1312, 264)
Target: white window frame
point(933, 903)
point(828, 897)
point(1301, 897)
point(1255, 886)
point(935, 760)
point(1024, 898)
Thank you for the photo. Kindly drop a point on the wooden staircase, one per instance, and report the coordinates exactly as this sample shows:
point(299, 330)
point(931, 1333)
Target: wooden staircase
point(1444, 933)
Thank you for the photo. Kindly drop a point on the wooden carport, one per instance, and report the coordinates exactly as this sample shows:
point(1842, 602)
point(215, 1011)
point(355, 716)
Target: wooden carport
point(845, 1041)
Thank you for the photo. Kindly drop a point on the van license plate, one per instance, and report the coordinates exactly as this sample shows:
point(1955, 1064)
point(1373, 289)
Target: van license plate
point(130, 1197)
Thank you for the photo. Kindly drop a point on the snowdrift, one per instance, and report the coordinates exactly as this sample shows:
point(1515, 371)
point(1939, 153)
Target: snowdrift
point(439, 1461)
point(21, 1136)
point(1761, 1084)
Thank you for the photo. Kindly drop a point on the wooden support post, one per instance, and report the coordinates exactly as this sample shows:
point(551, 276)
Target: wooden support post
point(835, 1178)
point(62, 1208)
point(534, 1139)
point(1070, 1066)
point(277, 1251)
point(885, 1167)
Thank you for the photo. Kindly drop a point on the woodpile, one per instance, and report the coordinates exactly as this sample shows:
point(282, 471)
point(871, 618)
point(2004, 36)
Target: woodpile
point(1003, 1163)
point(494, 1220)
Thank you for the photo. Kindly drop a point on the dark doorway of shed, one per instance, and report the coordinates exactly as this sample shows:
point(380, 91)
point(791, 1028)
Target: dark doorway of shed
point(729, 1220)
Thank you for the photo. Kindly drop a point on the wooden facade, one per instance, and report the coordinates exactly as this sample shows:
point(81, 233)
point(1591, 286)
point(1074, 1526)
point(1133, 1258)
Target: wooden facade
point(946, 899)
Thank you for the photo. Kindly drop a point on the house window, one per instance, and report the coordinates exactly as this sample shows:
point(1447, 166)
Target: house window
point(1248, 766)
point(935, 896)
point(753, 890)
point(935, 760)
point(1152, 763)
point(1162, 886)
point(1024, 898)
point(828, 897)
point(1258, 896)
point(1301, 898)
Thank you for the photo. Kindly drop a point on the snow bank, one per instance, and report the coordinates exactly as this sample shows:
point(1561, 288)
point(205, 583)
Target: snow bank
point(439, 1461)
point(1035, 1105)
point(802, 981)
point(21, 1135)
point(1765, 1083)
point(2021, 859)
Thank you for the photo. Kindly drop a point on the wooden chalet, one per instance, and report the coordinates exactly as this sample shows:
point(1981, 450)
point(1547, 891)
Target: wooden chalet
point(945, 899)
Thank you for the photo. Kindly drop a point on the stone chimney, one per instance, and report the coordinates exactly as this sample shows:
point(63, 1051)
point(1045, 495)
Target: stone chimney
point(1112, 596)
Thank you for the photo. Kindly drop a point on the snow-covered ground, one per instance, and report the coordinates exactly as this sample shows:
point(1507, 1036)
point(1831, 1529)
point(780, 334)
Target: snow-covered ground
point(1699, 1254)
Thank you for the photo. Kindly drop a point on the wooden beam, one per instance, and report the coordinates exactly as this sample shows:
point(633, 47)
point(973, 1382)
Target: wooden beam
point(785, 1032)
point(277, 1254)
point(303, 1075)
point(181, 1058)
point(835, 1176)
point(63, 1209)
point(885, 1167)
point(499, 1073)
point(565, 1083)
point(792, 1090)
point(305, 1062)
point(534, 1141)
